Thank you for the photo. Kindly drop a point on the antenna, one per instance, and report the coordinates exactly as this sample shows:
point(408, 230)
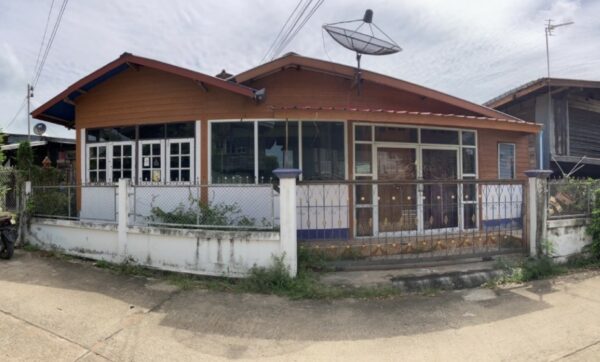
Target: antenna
point(360, 42)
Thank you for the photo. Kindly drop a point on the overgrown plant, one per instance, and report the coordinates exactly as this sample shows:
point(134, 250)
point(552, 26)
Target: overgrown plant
point(197, 212)
point(593, 228)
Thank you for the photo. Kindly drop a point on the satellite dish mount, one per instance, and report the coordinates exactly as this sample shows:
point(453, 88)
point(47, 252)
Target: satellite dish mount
point(376, 42)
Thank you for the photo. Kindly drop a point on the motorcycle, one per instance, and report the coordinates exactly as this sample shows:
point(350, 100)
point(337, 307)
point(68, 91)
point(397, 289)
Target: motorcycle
point(7, 237)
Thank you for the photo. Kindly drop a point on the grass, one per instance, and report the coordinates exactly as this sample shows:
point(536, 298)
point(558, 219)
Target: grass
point(541, 268)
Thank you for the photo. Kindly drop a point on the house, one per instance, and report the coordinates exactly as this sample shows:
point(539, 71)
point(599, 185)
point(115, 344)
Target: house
point(60, 151)
point(571, 132)
point(399, 160)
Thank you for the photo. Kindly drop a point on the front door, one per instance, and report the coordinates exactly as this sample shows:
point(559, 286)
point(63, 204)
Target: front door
point(396, 190)
point(440, 199)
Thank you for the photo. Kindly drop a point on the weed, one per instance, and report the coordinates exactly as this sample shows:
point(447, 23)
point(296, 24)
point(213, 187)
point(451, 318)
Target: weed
point(31, 247)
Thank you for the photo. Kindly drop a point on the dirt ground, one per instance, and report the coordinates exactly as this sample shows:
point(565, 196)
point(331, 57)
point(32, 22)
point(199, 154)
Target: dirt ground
point(54, 309)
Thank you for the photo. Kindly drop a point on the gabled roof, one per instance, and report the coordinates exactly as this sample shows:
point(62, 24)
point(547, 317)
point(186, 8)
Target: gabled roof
point(536, 85)
point(61, 109)
point(295, 60)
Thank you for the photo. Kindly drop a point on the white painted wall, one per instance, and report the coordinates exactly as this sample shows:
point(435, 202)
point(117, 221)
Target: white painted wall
point(205, 252)
point(567, 236)
point(98, 203)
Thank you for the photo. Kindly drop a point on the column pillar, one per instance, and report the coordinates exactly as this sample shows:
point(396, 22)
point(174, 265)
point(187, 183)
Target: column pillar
point(122, 216)
point(287, 216)
point(537, 208)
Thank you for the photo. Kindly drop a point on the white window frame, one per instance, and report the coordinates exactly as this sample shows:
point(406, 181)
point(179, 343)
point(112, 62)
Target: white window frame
point(167, 161)
point(162, 160)
point(87, 162)
point(111, 156)
point(109, 160)
point(514, 161)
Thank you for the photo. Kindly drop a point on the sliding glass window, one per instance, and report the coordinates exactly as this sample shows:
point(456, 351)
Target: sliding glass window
point(277, 148)
point(232, 152)
point(323, 156)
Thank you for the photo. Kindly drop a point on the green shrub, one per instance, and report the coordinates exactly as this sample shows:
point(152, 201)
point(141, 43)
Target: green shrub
point(593, 229)
point(543, 267)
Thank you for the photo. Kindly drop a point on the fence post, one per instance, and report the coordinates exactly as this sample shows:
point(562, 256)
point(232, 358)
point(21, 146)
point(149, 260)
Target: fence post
point(122, 216)
point(287, 216)
point(537, 207)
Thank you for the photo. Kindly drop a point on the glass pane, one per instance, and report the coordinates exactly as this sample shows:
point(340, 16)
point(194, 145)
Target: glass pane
point(155, 149)
point(93, 177)
point(468, 160)
point(363, 133)
point(175, 161)
point(440, 199)
point(181, 130)
point(102, 164)
point(272, 151)
point(185, 148)
point(468, 138)
point(470, 216)
point(506, 161)
point(127, 150)
point(174, 148)
point(116, 150)
point(232, 151)
point(152, 132)
point(93, 152)
point(174, 175)
point(323, 151)
point(116, 176)
point(146, 149)
point(127, 174)
point(116, 163)
point(156, 176)
point(185, 175)
point(146, 175)
point(364, 194)
point(396, 134)
point(93, 164)
point(364, 221)
point(101, 176)
point(117, 134)
point(363, 158)
point(93, 135)
point(127, 163)
point(155, 162)
point(439, 136)
point(397, 203)
point(185, 161)
point(102, 151)
point(469, 192)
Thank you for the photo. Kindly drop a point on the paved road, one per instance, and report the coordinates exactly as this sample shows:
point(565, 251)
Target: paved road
point(53, 309)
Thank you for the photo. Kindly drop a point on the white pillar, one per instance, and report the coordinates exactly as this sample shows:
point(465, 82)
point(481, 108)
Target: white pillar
point(287, 216)
point(122, 216)
point(536, 208)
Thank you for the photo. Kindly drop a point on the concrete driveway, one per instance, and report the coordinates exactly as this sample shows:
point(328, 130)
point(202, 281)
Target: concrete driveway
point(53, 309)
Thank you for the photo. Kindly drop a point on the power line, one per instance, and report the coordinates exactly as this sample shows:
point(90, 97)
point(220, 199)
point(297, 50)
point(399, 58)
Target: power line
point(50, 42)
point(37, 61)
point(281, 31)
point(306, 19)
point(16, 114)
point(289, 31)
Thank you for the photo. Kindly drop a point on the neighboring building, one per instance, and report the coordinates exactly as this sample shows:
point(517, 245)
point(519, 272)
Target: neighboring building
point(60, 151)
point(153, 122)
point(571, 134)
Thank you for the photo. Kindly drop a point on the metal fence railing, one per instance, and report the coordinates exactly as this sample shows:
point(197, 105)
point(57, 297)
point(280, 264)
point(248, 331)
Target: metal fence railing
point(215, 206)
point(75, 202)
point(571, 198)
point(412, 219)
point(9, 200)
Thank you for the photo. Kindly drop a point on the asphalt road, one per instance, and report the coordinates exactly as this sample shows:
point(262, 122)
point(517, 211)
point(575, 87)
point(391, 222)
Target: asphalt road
point(58, 310)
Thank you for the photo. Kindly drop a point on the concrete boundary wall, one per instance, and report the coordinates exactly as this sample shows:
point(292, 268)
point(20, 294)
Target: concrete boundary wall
point(567, 236)
point(205, 252)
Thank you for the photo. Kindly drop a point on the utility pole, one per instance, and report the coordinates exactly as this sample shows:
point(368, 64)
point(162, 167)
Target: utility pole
point(548, 30)
point(29, 95)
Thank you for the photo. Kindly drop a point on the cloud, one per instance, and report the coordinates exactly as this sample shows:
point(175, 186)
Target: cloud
point(471, 49)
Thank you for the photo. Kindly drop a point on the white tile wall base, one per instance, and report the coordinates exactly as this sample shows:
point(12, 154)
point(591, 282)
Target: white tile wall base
point(204, 252)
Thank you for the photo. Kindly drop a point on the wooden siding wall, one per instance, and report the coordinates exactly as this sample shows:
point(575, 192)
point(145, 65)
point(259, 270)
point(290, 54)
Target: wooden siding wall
point(488, 152)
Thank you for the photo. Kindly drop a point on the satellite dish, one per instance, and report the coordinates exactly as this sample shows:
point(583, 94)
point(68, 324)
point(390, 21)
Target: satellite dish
point(376, 42)
point(39, 129)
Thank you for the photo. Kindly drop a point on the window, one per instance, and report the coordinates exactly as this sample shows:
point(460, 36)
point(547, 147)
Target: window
point(277, 148)
point(151, 165)
point(96, 163)
point(121, 161)
point(439, 136)
point(323, 151)
point(396, 134)
point(232, 152)
point(180, 160)
point(111, 134)
point(506, 161)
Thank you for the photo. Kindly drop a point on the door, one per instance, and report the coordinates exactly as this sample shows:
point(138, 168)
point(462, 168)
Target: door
point(440, 200)
point(396, 201)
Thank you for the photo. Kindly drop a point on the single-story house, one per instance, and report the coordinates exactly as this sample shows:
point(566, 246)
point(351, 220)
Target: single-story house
point(60, 151)
point(571, 122)
point(398, 154)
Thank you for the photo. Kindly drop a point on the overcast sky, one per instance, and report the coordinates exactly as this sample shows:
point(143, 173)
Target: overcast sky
point(470, 49)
